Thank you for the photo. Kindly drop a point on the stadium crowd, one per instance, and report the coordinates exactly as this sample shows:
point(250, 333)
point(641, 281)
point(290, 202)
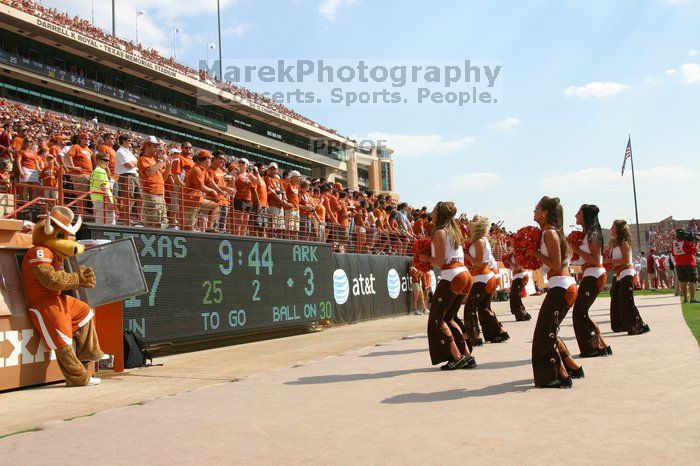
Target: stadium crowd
point(86, 28)
point(115, 176)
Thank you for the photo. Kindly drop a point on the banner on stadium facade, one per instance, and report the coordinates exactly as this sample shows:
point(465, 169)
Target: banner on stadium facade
point(369, 286)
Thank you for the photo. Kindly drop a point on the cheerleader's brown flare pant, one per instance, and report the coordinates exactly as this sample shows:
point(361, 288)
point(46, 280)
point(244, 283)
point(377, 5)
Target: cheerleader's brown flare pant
point(624, 315)
point(443, 309)
point(587, 331)
point(479, 302)
point(547, 348)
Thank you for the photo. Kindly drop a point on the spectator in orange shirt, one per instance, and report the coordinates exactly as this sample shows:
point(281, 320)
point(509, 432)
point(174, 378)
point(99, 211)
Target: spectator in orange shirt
point(275, 200)
point(343, 216)
point(291, 214)
point(81, 157)
point(5, 175)
point(319, 216)
point(154, 168)
point(198, 183)
point(19, 138)
point(243, 199)
point(49, 176)
point(218, 175)
point(29, 165)
point(107, 147)
point(306, 208)
point(262, 221)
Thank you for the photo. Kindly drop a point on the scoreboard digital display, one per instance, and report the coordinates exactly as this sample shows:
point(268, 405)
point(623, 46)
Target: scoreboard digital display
point(204, 285)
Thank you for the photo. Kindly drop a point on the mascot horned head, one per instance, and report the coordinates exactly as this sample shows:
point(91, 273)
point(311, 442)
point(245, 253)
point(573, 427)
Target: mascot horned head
point(57, 232)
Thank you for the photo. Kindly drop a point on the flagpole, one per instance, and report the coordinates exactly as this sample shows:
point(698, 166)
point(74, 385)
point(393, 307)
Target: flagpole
point(634, 190)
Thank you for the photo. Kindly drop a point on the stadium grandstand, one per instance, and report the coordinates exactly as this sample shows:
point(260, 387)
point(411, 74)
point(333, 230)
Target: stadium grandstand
point(64, 80)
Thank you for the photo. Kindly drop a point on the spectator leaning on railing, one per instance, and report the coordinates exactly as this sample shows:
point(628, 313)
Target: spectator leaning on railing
point(100, 182)
point(198, 184)
point(128, 187)
point(81, 159)
point(154, 168)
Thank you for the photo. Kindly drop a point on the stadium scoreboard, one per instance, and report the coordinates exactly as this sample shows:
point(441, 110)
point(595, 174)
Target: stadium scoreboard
point(212, 285)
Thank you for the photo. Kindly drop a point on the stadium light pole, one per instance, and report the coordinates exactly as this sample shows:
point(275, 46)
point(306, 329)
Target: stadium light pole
point(92, 9)
point(210, 46)
point(114, 21)
point(218, 19)
point(138, 13)
point(175, 31)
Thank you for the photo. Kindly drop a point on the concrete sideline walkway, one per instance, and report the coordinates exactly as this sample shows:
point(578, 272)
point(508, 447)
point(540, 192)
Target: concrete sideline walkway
point(387, 405)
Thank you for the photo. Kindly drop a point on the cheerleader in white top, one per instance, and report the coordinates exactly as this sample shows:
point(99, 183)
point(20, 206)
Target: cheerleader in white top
point(445, 339)
point(485, 283)
point(517, 284)
point(590, 342)
point(624, 315)
point(552, 364)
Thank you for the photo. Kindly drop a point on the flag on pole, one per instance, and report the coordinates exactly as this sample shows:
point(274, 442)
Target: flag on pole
point(628, 154)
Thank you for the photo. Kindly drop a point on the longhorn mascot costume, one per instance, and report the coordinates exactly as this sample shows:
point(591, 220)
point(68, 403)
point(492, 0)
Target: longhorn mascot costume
point(63, 321)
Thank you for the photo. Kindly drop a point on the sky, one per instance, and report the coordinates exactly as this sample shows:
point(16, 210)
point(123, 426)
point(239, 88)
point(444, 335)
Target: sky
point(577, 77)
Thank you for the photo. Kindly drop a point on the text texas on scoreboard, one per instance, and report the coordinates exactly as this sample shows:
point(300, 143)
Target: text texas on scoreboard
point(369, 286)
point(208, 285)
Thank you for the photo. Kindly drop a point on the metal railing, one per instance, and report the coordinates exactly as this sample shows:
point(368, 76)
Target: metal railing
point(182, 208)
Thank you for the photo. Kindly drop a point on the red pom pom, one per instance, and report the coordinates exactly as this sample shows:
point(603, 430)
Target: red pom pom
point(421, 246)
point(527, 239)
point(575, 238)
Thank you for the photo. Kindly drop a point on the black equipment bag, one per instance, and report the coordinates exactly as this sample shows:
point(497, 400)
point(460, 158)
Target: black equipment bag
point(135, 353)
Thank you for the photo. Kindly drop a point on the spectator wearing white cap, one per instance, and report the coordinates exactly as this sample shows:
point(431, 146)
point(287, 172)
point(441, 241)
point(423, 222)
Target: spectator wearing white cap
point(291, 214)
point(127, 172)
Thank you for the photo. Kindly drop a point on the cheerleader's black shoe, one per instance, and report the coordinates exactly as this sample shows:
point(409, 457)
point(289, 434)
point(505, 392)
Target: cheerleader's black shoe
point(559, 383)
point(608, 350)
point(471, 363)
point(577, 373)
point(453, 365)
point(479, 342)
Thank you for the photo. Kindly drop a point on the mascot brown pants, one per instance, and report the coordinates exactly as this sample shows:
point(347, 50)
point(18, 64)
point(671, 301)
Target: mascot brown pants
point(64, 321)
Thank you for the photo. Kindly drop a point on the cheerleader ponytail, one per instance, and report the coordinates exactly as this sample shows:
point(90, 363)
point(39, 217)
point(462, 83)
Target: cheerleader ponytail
point(555, 217)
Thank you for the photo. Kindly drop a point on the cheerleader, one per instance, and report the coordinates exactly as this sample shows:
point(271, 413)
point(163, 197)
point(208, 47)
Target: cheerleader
point(519, 282)
point(485, 283)
point(590, 342)
point(552, 365)
point(624, 315)
point(445, 338)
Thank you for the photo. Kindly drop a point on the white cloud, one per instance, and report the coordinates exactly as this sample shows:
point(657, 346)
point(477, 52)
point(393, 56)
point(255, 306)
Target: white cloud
point(610, 179)
point(651, 81)
point(329, 8)
point(595, 89)
point(693, 52)
point(418, 144)
point(239, 30)
point(690, 73)
point(675, 2)
point(505, 124)
point(472, 181)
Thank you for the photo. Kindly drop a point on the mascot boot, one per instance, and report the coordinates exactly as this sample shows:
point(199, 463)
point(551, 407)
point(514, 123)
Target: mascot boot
point(63, 321)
